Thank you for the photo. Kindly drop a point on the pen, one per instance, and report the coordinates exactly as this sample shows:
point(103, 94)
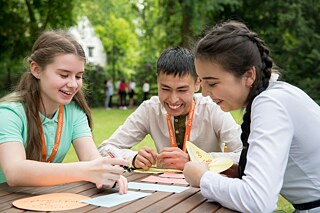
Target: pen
point(113, 155)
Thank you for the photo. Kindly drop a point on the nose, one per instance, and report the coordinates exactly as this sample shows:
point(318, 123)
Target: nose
point(72, 82)
point(204, 91)
point(174, 97)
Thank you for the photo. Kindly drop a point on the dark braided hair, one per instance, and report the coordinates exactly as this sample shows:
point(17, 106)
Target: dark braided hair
point(237, 49)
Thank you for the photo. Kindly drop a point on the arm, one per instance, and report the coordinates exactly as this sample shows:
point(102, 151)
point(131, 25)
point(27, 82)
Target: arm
point(173, 158)
point(16, 168)
point(87, 150)
point(133, 130)
point(267, 158)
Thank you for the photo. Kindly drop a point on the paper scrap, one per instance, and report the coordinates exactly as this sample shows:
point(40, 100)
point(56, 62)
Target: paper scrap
point(172, 175)
point(154, 170)
point(156, 179)
point(156, 187)
point(115, 199)
point(51, 202)
point(214, 164)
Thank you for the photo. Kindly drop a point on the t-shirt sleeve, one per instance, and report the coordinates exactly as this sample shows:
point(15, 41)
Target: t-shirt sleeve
point(80, 124)
point(11, 125)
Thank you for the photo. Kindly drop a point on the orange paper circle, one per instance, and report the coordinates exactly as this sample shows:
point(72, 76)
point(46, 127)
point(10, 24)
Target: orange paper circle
point(51, 202)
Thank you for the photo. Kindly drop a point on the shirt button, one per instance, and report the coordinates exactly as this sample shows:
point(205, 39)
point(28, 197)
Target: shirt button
point(177, 131)
point(176, 120)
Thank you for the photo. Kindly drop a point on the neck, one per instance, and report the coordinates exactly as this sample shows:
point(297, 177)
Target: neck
point(49, 111)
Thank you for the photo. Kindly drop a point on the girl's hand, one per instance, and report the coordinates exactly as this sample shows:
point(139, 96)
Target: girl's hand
point(106, 171)
point(145, 158)
point(173, 158)
point(193, 172)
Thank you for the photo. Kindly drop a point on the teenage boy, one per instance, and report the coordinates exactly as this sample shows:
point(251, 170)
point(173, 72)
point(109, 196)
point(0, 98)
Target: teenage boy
point(173, 117)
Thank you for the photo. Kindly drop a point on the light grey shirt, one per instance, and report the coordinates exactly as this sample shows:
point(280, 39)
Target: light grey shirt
point(211, 129)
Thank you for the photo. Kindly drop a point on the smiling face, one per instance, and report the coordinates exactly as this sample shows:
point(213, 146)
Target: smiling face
point(59, 81)
point(176, 93)
point(225, 89)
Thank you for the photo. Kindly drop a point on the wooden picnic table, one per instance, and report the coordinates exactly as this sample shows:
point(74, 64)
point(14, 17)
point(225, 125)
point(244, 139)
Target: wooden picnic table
point(189, 200)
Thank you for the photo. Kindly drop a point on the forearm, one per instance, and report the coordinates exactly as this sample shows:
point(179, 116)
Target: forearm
point(34, 173)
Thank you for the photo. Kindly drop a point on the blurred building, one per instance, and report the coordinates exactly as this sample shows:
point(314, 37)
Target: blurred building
point(91, 43)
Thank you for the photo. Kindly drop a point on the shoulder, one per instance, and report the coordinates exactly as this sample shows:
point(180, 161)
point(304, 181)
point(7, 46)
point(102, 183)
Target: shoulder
point(73, 108)
point(13, 112)
point(15, 107)
point(281, 92)
point(152, 106)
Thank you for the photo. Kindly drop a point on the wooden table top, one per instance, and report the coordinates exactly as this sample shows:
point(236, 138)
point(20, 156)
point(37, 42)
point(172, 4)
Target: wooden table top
point(189, 200)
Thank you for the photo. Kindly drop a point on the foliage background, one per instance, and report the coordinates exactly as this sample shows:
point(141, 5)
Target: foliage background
point(134, 32)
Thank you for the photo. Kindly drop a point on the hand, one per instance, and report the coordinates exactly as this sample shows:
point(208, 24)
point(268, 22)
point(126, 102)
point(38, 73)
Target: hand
point(232, 172)
point(145, 158)
point(122, 182)
point(193, 172)
point(173, 158)
point(106, 171)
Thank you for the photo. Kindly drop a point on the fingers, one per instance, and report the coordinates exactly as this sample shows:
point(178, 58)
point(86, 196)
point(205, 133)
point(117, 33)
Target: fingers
point(123, 185)
point(172, 158)
point(146, 157)
point(117, 161)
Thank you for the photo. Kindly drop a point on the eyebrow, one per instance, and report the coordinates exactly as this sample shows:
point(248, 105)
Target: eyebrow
point(63, 70)
point(210, 78)
point(182, 87)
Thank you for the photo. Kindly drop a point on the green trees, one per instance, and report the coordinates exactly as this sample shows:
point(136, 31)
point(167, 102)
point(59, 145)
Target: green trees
point(134, 32)
point(20, 23)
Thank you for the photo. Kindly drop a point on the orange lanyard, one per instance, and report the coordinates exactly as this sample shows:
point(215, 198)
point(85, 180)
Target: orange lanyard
point(58, 137)
point(188, 128)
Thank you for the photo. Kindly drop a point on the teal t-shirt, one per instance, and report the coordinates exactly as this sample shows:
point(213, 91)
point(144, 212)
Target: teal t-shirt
point(13, 127)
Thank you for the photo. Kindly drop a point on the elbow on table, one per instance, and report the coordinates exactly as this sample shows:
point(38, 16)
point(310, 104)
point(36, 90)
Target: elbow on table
point(11, 178)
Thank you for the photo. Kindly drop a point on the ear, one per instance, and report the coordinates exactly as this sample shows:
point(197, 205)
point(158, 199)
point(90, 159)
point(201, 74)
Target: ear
point(197, 85)
point(35, 70)
point(250, 76)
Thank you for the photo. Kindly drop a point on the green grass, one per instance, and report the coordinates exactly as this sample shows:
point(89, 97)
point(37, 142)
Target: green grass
point(107, 121)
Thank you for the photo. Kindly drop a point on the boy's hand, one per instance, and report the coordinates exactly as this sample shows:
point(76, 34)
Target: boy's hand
point(173, 158)
point(145, 158)
point(232, 172)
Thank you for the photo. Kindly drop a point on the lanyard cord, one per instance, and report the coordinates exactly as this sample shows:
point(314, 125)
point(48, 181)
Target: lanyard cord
point(173, 142)
point(57, 141)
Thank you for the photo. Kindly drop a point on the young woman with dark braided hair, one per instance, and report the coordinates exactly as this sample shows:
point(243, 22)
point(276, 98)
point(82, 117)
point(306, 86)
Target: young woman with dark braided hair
point(280, 130)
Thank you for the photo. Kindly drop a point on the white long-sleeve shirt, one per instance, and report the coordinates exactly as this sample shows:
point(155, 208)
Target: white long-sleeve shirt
point(283, 155)
point(211, 130)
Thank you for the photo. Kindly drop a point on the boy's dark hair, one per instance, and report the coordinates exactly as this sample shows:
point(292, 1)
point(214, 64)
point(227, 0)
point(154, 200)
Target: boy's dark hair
point(177, 61)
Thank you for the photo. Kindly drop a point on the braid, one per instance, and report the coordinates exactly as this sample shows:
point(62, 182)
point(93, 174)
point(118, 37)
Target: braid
point(261, 83)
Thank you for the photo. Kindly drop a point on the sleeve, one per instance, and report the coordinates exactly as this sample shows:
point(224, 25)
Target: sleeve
point(267, 158)
point(11, 125)
point(80, 123)
point(133, 130)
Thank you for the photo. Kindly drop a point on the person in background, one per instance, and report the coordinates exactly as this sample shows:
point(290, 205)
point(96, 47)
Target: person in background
point(109, 94)
point(122, 91)
point(132, 86)
point(145, 90)
point(179, 111)
point(280, 129)
point(47, 113)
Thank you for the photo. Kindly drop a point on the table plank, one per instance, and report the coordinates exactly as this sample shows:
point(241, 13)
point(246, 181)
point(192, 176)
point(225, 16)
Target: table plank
point(171, 201)
point(188, 204)
point(189, 200)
